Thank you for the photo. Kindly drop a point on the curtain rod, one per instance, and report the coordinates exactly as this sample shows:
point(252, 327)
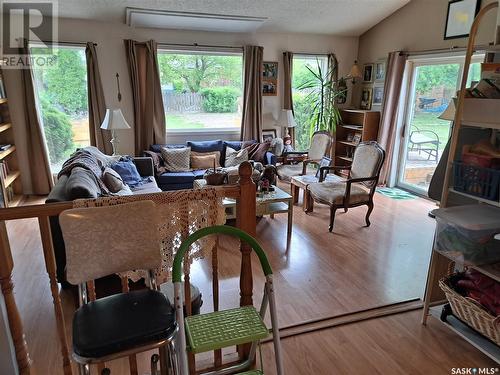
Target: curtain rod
point(478, 48)
point(198, 45)
point(310, 54)
point(60, 42)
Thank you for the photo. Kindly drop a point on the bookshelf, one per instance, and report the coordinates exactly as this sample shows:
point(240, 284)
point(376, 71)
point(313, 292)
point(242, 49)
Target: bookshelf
point(355, 123)
point(11, 189)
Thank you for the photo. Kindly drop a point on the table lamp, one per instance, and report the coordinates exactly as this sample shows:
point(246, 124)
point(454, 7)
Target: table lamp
point(287, 120)
point(114, 120)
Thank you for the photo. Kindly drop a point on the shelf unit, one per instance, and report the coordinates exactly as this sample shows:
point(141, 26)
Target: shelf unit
point(11, 189)
point(354, 122)
point(470, 112)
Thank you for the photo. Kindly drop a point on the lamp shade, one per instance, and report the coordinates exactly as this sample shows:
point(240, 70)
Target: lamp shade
point(449, 112)
point(286, 119)
point(114, 120)
point(355, 71)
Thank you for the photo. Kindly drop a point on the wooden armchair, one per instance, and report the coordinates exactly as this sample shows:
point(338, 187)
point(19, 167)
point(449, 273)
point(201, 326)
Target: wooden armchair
point(359, 187)
point(321, 143)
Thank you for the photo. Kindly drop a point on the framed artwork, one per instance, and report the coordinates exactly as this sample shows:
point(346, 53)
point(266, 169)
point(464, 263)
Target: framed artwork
point(268, 135)
point(270, 78)
point(366, 98)
point(380, 71)
point(459, 18)
point(378, 95)
point(368, 73)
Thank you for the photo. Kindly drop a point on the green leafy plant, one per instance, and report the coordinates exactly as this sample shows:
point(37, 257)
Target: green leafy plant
point(319, 99)
point(220, 99)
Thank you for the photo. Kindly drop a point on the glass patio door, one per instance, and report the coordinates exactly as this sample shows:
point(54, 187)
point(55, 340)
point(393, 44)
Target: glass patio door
point(433, 82)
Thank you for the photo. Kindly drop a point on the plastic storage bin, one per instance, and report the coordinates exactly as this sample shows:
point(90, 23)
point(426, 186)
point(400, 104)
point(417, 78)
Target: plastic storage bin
point(468, 233)
point(478, 181)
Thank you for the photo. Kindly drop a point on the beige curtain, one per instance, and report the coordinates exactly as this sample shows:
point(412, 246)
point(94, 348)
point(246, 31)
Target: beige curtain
point(251, 119)
point(97, 105)
point(41, 177)
point(388, 123)
point(287, 80)
point(149, 114)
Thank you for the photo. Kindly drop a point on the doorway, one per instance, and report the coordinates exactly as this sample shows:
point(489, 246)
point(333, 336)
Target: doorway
point(432, 83)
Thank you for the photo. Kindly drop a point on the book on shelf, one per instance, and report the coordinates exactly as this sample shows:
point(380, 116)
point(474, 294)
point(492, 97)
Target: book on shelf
point(4, 147)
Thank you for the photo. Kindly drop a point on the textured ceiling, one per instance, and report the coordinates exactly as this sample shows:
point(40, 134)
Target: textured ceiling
point(339, 17)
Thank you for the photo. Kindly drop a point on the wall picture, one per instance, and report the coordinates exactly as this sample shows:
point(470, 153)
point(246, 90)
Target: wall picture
point(378, 95)
point(368, 73)
point(461, 14)
point(269, 78)
point(268, 135)
point(366, 98)
point(380, 71)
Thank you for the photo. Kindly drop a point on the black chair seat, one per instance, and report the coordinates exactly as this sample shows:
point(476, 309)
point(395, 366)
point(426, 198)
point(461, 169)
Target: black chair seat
point(120, 322)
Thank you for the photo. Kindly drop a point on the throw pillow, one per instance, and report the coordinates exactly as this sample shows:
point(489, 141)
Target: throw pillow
point(235, 158)
point(205, 160)
point(277, 146)
point(157, 161)
point(127, 171)
point(82, 184)
point(112, 180)
point(176, 159)
point(257, 151)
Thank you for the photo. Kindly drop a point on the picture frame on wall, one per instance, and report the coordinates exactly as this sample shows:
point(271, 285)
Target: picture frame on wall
point(366, 98)
point(270, 78)
point(380, 71)
point(459, 18)
point(268, 135)
point(378, 95)
point(368, 73)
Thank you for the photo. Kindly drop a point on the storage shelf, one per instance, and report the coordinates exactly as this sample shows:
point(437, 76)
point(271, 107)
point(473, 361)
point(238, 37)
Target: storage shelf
point(16, 200)
point(11, 177)
point(4, 127)
point(345, 158)
point(490, 270)
point(483, 200)
point(468, 334)
point(353, 127)
point(4, 154)
point(3, 100)
point(347, 143)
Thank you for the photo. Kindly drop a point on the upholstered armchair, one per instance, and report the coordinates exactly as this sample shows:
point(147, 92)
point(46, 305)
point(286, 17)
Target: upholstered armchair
point(321, 143)
point(359, 187)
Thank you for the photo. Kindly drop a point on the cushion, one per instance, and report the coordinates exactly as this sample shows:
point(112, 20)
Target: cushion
point(205, 160)
point(206, 146)
point(287, 171)
point(176, 159)
point(122, 321)
point(176, 177)
point(158, 164)
point(112, 180)
point(277, 146)
point(82, 184)
point(127, 171)
point(333, 193)
point(157, 148)
point(257, 151)
point(235, 158)
point(146, 188)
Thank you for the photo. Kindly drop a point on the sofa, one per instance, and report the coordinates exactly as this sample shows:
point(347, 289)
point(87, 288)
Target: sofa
point(184, 180)
point(60, 193)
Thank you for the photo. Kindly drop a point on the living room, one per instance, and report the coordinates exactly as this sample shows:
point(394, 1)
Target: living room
point(209, 115)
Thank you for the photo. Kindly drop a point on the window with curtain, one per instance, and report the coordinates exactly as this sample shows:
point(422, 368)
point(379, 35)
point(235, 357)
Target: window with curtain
point(201, 90)
point(301, 73)
point(61, 96)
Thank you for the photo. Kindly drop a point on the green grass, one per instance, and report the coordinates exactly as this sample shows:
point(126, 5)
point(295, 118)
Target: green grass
point(179, 122)
point(430, 121)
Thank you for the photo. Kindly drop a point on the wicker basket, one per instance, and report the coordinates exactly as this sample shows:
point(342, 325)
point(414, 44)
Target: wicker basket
point(472, 313)
point(215, 177)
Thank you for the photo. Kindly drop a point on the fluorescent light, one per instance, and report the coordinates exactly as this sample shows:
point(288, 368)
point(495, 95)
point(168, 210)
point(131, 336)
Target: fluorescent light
point(164, 19)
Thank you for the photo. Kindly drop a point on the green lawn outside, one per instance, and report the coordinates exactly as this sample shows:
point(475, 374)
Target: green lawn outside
point(179, 122)
point(430, 121)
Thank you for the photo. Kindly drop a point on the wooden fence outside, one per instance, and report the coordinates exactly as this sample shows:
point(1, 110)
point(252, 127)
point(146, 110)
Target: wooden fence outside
point(182, 102)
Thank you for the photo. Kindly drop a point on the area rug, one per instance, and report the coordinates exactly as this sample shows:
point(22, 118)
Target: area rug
point(396, 193)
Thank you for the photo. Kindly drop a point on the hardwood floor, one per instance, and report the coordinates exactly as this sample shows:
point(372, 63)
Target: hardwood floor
point(322, 275)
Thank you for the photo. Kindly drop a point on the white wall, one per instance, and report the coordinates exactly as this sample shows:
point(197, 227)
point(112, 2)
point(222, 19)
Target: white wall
point(111, 52)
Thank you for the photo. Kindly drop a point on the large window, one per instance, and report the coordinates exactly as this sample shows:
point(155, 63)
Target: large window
point(302, 66)
point(201, 90)
point(61, 95)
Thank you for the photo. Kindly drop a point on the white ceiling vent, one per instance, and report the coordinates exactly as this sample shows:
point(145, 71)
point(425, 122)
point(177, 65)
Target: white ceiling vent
point(163, 19)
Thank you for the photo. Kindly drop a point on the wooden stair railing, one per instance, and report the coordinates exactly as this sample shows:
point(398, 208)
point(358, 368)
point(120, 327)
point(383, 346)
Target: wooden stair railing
point(243, 192)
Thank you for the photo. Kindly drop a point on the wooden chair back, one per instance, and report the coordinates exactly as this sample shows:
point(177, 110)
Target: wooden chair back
point(367, 162)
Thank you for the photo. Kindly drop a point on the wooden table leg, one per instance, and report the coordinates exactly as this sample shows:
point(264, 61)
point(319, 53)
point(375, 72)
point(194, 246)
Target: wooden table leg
point(295, 193)
point(290, 223)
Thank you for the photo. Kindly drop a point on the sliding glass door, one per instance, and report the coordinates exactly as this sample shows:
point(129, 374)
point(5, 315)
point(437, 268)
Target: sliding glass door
point(433, 82)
